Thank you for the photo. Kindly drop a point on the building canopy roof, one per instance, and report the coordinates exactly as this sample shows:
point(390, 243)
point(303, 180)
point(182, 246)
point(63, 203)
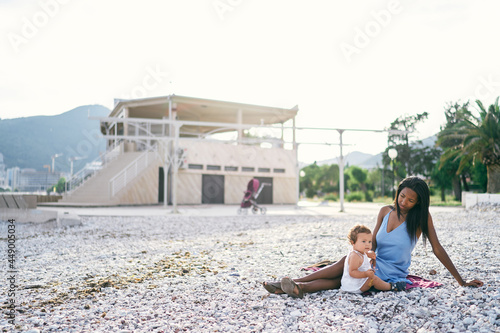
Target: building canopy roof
point(203, 110)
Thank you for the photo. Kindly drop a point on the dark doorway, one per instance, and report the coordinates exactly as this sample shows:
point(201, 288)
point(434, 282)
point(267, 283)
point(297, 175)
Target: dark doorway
point(266, 195)
point(161, 184)
point(212, 191)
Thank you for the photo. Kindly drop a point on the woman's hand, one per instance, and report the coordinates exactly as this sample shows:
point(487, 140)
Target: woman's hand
point(473, 283)
point(371, 255)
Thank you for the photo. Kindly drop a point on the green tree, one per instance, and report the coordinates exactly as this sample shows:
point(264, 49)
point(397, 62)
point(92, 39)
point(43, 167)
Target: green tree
point(307, 183)
point(442, 176)
point(316, 179)
point(455, 113)
point(479, 175)
point(374, 180)
point(423, 159)
point(59, 187)
point(329, 179)
point(358, 179)
point(400, 139)
point(479, 137)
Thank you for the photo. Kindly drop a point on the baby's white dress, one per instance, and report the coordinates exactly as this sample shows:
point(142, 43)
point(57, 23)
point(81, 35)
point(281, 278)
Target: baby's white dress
point(350, 284)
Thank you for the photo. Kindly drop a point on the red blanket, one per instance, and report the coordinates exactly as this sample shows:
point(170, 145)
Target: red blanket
point(418, 282)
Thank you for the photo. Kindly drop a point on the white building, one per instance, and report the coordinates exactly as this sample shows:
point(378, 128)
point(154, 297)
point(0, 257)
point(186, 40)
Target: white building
point(179, 134)
point(31, 180)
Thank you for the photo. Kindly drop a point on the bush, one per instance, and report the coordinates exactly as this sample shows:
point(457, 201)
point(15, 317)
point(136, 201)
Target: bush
point(331, 197)
point(432, 191)
point(369, 196)
point(355, 196)
point(310, 193)
point(330, 188)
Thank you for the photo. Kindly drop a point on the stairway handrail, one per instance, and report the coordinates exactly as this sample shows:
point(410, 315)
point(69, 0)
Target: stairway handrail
point(82, 176)
point(132, 170)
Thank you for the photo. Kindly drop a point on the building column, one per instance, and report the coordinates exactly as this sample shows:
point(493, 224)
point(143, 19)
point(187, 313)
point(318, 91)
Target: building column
point(125, 124)
point(341, 173)
point(175, 160)
point(297, 166)
point(239, 120)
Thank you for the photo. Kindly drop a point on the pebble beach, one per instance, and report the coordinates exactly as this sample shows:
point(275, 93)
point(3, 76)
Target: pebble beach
point(178, 273)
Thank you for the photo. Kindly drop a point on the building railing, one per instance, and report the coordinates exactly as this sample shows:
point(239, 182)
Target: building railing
point(82, 176)
point(130, 172)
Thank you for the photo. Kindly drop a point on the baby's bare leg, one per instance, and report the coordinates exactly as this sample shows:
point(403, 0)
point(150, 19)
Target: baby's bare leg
point(376, 282)
point(380, 284)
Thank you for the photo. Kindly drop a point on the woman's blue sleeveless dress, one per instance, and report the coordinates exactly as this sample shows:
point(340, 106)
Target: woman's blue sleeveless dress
point(393, 252)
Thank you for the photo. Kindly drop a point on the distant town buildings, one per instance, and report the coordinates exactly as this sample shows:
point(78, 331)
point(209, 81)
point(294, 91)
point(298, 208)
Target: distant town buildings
point(3, 174)
point(31, 180)
point(26, 180)
point(13, 178)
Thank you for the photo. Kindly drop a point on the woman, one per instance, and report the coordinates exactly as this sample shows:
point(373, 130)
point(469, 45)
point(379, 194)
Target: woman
point(397, 230)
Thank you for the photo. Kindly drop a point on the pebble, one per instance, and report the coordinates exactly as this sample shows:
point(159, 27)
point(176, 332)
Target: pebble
point(203, 274)
point(468, 321)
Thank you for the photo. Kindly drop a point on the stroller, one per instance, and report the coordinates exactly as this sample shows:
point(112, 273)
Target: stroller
point(250, 199)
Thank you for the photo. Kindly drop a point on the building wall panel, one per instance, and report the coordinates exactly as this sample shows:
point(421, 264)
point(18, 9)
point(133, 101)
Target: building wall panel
point(143, 190)
point(189, 188)
point(284, 190)
point(215, 157)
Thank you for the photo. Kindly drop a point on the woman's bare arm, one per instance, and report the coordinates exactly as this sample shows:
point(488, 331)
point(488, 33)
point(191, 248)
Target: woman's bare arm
point(441, 254)
point(381, 214)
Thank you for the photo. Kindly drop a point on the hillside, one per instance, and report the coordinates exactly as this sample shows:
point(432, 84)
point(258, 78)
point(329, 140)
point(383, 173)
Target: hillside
point(30, 142)
point(360, 159)
point(369, 161)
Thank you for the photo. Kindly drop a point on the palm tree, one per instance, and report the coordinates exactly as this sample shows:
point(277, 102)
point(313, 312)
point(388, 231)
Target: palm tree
point(454, 113)
point(479, 141)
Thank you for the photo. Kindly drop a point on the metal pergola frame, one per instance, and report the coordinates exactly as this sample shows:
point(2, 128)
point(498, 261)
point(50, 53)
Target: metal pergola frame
point(175, 125)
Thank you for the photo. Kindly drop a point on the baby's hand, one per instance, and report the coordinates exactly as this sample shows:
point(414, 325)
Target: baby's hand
point(370, 273)
point(371, 255)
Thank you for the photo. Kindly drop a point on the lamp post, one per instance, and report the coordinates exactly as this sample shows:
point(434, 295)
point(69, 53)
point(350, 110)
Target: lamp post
point(393, 153)
point(302, 174)
point(71, 160)
point(53, 160)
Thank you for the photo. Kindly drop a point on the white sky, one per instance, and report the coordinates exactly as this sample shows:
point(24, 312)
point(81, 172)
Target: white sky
point(357, 64)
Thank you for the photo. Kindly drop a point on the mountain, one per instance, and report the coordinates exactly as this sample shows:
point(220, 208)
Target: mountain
point(364, 160)
point(30, 142)
point(430, 141)
point(369, 161)
point(375, 161)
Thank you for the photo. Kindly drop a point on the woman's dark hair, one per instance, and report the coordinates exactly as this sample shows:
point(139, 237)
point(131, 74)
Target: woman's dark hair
point(418, 216)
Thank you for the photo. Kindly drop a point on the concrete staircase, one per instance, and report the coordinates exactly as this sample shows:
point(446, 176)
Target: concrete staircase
point(96, 190)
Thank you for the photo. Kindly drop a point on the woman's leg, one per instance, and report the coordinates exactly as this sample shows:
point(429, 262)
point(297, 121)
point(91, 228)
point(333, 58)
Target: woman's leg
point(308, 287)
point(324, 279)
point(319, 284)
point(329, 272)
